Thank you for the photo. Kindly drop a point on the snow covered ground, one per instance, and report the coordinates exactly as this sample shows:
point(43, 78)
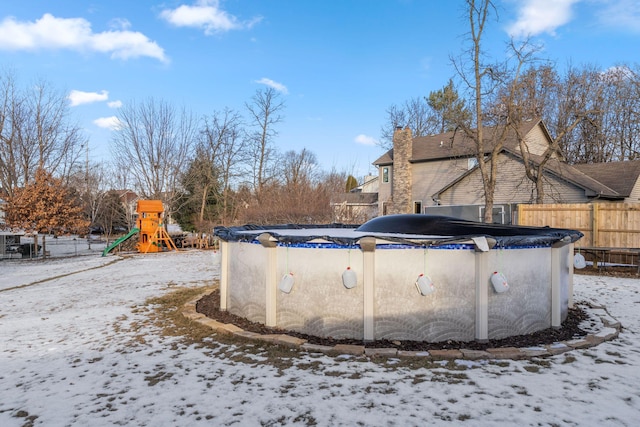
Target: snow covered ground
point(70, 355)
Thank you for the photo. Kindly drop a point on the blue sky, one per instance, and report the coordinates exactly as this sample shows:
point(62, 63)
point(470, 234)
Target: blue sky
point(339, 64)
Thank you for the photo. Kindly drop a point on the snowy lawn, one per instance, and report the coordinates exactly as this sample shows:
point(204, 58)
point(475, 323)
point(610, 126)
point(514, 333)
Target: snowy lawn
point(82, 343)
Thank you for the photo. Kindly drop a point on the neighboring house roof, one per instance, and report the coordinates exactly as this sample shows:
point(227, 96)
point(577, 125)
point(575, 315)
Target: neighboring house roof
point(355, 198)
point(127, 196)
point(561, 170)
point(620, 176)
point(455, 144)
point(592, 186)
point(597, 180)
point(370, 185)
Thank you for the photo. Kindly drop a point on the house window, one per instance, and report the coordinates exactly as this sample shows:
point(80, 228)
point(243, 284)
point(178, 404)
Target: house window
point(385, 208)
point(385, 174)
point(417, 207)
point(472, 162)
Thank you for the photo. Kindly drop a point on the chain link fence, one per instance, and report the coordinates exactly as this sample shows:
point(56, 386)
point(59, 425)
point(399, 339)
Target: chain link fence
point(49, 246)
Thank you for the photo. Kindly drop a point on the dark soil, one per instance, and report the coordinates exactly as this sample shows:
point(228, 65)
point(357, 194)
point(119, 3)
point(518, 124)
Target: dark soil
point(209, 305)
point(610, 271)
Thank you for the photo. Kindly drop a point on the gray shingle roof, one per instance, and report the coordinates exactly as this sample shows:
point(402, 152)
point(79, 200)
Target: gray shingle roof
point(575, 176)
point(355, 198)
point(451, 145)
point(620, 176)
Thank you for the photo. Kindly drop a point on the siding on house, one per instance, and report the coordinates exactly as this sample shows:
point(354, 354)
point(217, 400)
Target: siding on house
point(429, 177)
point(536, 141)
point(512, 186)
point(634, 196)
point(384, 188)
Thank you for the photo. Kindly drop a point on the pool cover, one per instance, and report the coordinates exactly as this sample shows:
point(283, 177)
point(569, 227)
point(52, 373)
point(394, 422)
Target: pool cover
point(415, 229)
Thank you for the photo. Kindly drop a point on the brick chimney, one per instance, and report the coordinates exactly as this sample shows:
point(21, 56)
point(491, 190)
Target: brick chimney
point(401, 186)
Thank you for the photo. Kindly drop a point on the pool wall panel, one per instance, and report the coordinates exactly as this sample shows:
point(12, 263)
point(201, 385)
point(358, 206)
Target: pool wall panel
point(401, 312)
point(319, 304)
point(526, 306)
point(246, 290)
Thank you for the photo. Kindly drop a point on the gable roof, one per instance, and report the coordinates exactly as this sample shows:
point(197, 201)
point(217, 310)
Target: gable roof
point(455, 144)
point(620, 176)
point(561, 170)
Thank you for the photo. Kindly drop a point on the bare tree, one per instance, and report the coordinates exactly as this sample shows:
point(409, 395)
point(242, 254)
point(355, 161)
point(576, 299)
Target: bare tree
point(481, 79)
point(92, 184)
point(521, 98)
point(153, 143)
point(223, 140)
point(264, 110)
point(298, 168)
point(416, 114)
point(10, 117)
point(36, 131)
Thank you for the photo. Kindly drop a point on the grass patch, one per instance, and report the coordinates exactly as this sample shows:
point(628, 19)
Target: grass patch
point(165, 313)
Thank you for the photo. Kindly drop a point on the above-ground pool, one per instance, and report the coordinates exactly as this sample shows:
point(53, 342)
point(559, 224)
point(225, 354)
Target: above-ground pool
point(399, 277)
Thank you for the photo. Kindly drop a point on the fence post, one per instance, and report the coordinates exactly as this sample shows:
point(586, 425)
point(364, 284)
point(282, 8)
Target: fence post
point(594, 225)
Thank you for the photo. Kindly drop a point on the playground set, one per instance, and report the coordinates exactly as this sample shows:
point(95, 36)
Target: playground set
point(152, 235)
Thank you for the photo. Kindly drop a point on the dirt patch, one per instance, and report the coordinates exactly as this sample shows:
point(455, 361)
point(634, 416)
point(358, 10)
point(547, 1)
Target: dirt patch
point(610, 271)
point(209, 305)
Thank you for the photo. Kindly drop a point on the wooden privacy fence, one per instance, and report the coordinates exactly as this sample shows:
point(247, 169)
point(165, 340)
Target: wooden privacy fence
point(604, 225)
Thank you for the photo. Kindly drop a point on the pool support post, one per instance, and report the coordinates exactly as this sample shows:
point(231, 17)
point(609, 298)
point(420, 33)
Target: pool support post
point(271, 282)
point(224, 275)
point(368, 247)
point(482, 247)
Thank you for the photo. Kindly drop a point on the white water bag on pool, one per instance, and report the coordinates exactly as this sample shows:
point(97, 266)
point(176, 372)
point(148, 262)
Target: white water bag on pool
point(217, 258)
point(286, 283)
point(579, 262)
point(499, 282)
point(349, 278)
point(424, 284)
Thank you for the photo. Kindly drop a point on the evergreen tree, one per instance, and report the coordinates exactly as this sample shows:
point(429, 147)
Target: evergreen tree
point(352, 183)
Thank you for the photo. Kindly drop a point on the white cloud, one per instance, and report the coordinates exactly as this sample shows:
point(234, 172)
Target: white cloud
point(120, 24)
point(365, 140)
point(624, 14)
point(108, 122)
point(78, 97)
point(277, 86)
point(75, 34)
point(114, 104)
point(207, 15)
point(541, 16)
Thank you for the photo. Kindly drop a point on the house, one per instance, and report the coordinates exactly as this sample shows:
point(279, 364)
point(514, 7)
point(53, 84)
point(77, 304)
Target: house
point(425, 174)
point(359, 205)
